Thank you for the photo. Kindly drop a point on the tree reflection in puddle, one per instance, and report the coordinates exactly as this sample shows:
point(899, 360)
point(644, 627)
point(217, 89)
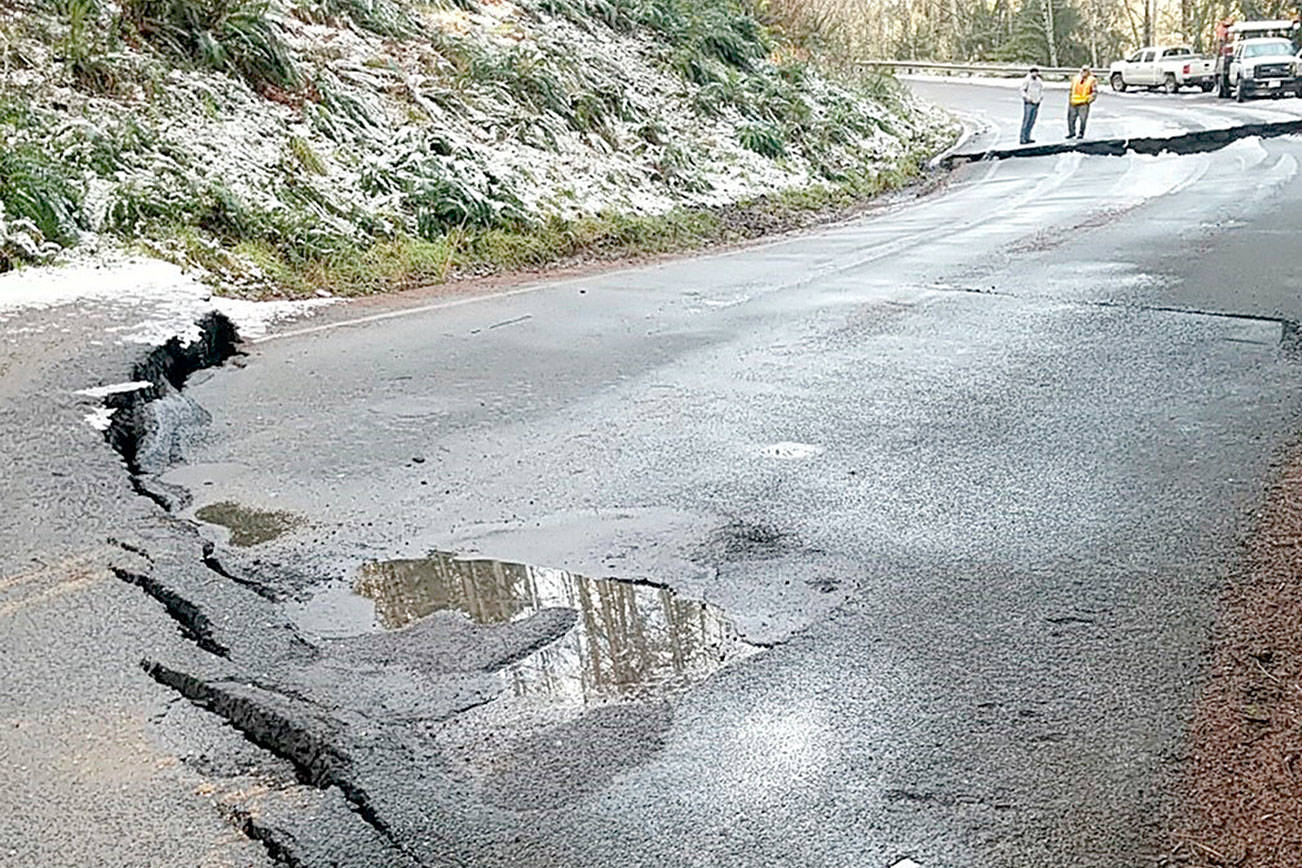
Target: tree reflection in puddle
point(628, 637)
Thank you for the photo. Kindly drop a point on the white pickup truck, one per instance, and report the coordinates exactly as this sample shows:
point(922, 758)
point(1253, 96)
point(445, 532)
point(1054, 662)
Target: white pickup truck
point(1169, 67)
point(1264, 66)
point(1233, 57)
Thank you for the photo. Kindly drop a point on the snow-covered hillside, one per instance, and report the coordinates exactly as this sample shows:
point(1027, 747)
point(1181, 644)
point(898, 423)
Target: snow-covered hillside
point(349, 145)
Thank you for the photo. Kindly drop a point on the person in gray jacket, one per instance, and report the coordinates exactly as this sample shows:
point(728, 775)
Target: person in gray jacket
point(1032, 93)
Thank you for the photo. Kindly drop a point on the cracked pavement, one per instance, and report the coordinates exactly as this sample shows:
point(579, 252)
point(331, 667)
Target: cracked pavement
point(969, 472)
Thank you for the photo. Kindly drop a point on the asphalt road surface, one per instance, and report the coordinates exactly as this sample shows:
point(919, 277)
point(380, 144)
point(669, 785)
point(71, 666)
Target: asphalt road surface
point(963, 475)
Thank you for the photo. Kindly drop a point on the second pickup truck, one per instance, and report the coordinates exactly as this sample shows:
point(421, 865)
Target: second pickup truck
point(1264, 66)
point(1169, 67)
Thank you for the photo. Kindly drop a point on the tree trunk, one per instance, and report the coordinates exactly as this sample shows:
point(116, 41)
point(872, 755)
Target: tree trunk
point(956, 28)
point(1092, 21)
point(1048, 31)
point(1134, 27)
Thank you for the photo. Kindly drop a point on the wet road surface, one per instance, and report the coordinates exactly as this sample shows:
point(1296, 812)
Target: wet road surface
point(948, 490)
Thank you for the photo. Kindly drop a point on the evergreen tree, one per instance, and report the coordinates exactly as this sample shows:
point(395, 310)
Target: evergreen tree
point(1030, 42)
point(981, 30)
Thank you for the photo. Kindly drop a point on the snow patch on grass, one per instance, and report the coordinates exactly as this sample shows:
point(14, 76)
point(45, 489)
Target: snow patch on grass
point(157, 300)
point(412, 127)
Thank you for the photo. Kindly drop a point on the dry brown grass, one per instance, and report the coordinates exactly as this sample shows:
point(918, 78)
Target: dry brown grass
point(837, 28)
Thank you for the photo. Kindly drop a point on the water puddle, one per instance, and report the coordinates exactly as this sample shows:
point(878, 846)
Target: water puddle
point(248, 526)
point(628, 638)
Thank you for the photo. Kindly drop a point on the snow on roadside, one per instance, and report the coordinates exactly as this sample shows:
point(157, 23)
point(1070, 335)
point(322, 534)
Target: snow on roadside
point(100, 418)
point(115, 389)
point(155, 300)
point(483, 113)
point(152, 300)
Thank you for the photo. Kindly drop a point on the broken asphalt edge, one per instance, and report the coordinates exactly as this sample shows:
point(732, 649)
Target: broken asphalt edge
point(251, 710)
point(165, 368)
point(1197, 142)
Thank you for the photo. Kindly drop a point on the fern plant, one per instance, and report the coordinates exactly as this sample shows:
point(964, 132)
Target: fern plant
point(234, 36)
point(35, 188)
point(764, 139)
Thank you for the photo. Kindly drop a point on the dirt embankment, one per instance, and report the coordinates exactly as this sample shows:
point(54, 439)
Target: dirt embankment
point(1245, 795)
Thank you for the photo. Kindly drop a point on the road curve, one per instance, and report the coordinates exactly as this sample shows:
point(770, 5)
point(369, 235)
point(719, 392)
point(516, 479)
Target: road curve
point(971, 470)
point(993, 108)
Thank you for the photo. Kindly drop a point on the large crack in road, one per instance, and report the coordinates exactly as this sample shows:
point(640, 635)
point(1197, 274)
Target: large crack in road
point(341, 711)
point(1182, 144)
point(215, 607)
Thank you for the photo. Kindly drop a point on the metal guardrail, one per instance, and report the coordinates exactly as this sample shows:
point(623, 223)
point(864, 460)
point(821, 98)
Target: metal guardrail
point(996, 70)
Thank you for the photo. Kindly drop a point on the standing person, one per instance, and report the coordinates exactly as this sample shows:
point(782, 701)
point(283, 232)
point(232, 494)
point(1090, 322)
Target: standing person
point(1084, 90)
point(1032, 92)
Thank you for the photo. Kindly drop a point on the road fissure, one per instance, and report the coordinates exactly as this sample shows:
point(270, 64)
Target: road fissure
point(1197, 142)
point(1291, 329)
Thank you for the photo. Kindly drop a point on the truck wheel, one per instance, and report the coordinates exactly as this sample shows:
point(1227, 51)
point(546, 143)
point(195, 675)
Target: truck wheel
point(1239, 92)
point(1207, 86)
point(1118, 83)
point(1169, 83)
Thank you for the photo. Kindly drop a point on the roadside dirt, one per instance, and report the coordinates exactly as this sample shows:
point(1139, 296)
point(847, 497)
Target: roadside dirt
point(1245, 787)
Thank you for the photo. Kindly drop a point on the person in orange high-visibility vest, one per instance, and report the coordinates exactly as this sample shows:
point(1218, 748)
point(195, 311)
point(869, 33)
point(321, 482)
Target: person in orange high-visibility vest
point(1084, 90)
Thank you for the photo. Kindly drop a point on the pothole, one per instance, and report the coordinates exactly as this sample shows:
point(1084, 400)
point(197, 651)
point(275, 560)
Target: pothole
point(248, 526)
point(628, 640)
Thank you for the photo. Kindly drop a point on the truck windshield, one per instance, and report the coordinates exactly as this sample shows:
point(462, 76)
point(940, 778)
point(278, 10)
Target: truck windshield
point(1273, 48)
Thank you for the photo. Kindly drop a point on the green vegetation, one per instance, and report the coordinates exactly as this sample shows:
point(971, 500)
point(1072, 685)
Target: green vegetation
point(764, 139)
point(37, 189)
point(413, 142)
point(234, 36)
point(299, 270)
point(305, 157)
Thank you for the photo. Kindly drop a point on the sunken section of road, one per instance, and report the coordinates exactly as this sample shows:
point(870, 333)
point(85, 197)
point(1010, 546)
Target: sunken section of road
point(1199, 142)
point(358, 713)
point(367, 705)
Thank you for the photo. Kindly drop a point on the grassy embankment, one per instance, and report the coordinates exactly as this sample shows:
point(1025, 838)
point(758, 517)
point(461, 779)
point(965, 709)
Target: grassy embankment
point(354, 146)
